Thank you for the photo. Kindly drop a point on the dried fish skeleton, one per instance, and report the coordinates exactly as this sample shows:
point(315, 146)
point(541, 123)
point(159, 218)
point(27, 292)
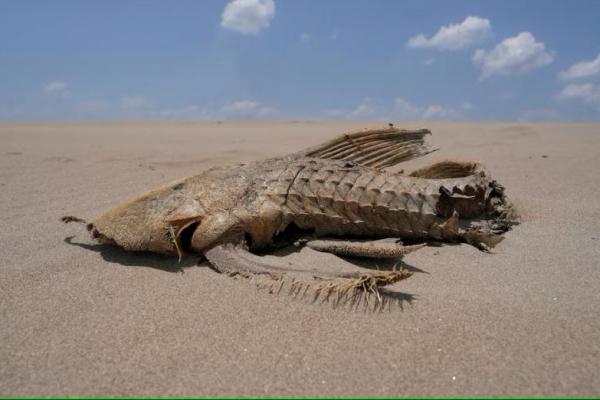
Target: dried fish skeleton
point(335, 197)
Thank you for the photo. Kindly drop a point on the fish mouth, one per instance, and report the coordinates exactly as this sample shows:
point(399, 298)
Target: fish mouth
point(177, 239)
point(91, 228)
point(96, 235)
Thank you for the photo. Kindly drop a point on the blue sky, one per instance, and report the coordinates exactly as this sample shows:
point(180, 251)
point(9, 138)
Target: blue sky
point(300, 59)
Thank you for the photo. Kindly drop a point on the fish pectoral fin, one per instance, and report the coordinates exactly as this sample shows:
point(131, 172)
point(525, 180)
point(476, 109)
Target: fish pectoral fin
point(336, 285)
point(377, 148)
point(223, 227)
point(234, 259)
point(385, 248)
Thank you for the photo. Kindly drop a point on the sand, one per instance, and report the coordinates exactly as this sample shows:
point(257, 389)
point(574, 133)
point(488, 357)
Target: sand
point(78, 320)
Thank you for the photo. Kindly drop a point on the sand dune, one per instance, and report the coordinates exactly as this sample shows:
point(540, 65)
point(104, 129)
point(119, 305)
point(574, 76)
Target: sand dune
point(82, 320)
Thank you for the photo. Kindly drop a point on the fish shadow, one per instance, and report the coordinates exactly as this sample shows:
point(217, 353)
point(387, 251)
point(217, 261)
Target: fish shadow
point(120, 256)
point(137, 259)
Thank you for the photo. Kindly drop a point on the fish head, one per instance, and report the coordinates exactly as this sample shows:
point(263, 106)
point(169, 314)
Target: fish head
point(154, 221)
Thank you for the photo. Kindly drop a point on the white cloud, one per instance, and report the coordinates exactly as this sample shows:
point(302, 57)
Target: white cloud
point(248, 16)
point(243, 105)
point(239, 109)
point(471, 31)
point(55, 87)
point(582, 69)
point(115, 108)
point(586, 92)
point(405, 110)
point(517, 54)
point(188, 112)
point(437, 112)
point(401, 109)
point(365, 109)
point(247, 108)
point(133, 102)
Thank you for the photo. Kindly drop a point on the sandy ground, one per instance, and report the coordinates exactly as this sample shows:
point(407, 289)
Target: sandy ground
point(96, 321)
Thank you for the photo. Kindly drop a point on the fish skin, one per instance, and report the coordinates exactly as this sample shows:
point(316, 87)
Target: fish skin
point(329, 197)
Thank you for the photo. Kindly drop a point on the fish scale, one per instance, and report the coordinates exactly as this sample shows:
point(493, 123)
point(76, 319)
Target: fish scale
point(336, 199)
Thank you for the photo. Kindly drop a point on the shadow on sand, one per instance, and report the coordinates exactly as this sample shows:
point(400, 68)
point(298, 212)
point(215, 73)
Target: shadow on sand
point(171, 264)
point(138, 259)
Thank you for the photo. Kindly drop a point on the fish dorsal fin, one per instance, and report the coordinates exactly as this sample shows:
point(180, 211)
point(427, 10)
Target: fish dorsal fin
point(449, 170)
point(377, 148)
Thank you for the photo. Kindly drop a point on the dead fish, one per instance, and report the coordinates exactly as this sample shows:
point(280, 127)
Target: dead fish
point(336, 197)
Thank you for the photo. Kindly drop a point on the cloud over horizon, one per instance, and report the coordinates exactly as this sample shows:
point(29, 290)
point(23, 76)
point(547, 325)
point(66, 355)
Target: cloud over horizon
point(248, 16)
point(586, 92)
point(514, 55)
point(405, 110)
point(472, 30)
point(582, 69)
point(237, 109)
point(247, 108)
point(400, 109)
point(248, 59)
point(55, 86)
